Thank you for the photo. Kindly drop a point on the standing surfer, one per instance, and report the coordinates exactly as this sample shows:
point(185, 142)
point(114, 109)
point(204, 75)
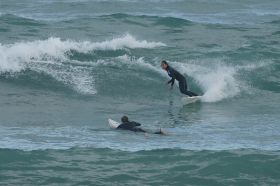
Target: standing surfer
point(174, 74)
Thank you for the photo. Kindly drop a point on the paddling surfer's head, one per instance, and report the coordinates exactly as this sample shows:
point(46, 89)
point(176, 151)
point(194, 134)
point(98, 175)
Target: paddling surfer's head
point(124, 119)
point(164, 65)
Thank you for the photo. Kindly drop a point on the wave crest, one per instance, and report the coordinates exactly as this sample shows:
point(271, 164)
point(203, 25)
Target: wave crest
point(52, 57)
point(14, 56)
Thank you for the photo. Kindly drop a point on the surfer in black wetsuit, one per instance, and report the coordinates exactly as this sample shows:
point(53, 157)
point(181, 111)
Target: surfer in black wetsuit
point(133, 126)
point(174, 74)
point(130, 125)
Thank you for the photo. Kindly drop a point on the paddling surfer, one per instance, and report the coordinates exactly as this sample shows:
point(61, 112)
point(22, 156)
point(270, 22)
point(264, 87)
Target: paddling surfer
point(134, 126)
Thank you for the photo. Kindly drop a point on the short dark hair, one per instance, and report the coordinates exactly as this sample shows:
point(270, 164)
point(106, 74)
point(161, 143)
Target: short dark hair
point(164, 62)
point(124, 119)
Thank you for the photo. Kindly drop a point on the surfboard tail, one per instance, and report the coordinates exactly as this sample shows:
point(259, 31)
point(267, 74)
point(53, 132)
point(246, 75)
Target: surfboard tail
point(187, 100)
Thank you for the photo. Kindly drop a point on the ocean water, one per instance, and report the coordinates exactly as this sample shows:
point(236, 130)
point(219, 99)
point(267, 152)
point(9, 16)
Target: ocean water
point(66, 66)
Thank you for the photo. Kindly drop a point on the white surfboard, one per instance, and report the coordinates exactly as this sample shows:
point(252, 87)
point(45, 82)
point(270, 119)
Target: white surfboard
point(187, 100)
point(113, 124)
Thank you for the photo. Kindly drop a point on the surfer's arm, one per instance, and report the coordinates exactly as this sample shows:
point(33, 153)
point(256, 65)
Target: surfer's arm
point(172, 75)
point(135, 124)
point(120, 126)
point(171, 81)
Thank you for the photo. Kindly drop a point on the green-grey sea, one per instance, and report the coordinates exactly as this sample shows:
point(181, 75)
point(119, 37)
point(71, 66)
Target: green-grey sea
point(66, 66)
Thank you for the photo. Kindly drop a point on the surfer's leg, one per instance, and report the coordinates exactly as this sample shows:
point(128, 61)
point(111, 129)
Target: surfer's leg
point(139, 130)
point(159, 132)
point(192, 93)
point(184, 88)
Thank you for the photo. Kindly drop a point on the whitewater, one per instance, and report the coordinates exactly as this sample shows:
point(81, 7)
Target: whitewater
point(68, 66)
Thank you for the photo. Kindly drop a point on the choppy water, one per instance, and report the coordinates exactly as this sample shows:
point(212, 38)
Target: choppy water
point(67, 66)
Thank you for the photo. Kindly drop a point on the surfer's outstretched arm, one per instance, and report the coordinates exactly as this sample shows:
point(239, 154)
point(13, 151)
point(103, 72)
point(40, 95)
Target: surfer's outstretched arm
point(135, 124)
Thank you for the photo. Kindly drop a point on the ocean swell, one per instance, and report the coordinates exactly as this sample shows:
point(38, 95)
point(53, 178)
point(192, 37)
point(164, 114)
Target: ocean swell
point(53, 57)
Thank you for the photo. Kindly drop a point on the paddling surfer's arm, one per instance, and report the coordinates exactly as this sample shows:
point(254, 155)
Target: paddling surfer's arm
point(135, 124)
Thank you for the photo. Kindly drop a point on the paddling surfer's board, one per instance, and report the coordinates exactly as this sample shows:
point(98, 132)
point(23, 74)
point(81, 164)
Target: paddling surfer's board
point(113, 124)
point(187, 100)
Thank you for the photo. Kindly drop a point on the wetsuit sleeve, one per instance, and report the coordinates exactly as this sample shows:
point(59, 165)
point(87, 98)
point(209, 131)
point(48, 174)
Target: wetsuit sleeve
point(135, 124)
point(126, 126)
point(121, 126)
point(171, 81)
point(172, 75)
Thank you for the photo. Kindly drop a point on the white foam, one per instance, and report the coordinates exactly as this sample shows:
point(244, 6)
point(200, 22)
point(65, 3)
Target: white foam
point(49, 57)
point(218, 82)
point(140, 62)
point(78, 78)
point(14, 56)
point(127, 41)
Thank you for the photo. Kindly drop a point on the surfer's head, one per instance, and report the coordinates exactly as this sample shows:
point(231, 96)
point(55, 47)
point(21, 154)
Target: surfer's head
point(124, 119)
point(164, 65)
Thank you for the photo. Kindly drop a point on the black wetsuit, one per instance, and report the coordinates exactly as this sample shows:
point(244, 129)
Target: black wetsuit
point(131, 125)
point(174, 74)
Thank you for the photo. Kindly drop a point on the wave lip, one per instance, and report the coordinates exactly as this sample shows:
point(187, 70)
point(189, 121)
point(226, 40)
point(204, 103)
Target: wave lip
point(53, 57)
point(127, 41)
point(12, 56)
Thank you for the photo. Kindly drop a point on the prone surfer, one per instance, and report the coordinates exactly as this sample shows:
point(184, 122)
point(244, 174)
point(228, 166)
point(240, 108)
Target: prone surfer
point(134, 126)
point(174, 74)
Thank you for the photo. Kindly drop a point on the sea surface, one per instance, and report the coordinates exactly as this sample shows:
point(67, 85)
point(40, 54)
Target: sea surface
point(66, 66)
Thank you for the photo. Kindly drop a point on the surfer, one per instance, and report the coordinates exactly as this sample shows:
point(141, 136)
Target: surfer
point(174, 74)
point(134, 126)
